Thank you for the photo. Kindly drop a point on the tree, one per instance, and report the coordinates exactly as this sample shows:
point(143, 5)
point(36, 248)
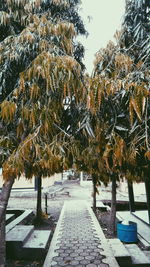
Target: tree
point(119, 94)
point(118, 99)
point(136, 38)
point(39, 71)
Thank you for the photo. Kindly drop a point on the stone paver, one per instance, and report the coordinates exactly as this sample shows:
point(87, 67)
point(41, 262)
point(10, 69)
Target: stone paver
point(78, 239)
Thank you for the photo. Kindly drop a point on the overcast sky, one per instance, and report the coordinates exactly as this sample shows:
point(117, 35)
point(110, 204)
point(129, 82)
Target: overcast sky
point(106, 19)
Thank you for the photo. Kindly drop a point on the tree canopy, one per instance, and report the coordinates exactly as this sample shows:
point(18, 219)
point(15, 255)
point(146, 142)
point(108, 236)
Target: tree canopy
point(120, 92)
point(39, 71)
point(26, 30)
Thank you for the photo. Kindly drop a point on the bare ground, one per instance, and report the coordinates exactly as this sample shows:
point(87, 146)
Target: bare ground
point(104, 221)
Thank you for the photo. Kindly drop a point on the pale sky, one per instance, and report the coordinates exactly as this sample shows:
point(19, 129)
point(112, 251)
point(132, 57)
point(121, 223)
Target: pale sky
point(106, 19)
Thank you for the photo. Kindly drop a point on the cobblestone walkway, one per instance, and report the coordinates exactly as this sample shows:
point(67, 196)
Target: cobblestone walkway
point(78, 239)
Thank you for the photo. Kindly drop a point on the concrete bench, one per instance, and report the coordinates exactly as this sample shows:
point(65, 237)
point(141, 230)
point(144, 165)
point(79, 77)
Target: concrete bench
point(16, 238)
point(9, 218)
point(36, 245)
point(20, 220)
point(120, 252)
point(52, 192)
point(24, 242)
point(137, 255)
point(100, 205)
point(147, 253)
point(144, 243)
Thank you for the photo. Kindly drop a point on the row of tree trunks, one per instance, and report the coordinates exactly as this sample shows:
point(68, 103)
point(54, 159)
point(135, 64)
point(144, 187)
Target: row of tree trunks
point(5, 193)
point(4, 197)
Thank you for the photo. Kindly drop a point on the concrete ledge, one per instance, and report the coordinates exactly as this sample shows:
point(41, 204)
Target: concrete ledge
point(120, 252)
point(144, 243)
point(16, 238)
point(147, 253)
point(137, 256)
point(35, 246)
point(101, 206)
point(19, 220)
point(38, 239)
point(110, 259)
point(53, 246)
point(20, 233)
point(9, 218)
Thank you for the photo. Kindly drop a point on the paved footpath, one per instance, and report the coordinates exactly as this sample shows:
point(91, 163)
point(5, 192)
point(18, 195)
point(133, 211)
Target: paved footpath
point(78, 239)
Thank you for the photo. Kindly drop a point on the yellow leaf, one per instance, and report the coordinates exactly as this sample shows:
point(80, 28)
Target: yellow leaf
point(136, 108)
point(143, 104)
point(147, 154)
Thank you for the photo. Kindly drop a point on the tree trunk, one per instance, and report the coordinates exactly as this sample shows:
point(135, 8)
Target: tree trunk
point(2, 242)
point(112, 226)
point(94, 192)
point(36, 183)
point(81, 178)
point(131, 196)
point(4, 197)
point(147, 188)
point(38, 218)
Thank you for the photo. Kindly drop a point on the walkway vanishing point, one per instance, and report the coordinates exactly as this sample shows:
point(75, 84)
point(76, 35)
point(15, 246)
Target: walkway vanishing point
point(78, 239)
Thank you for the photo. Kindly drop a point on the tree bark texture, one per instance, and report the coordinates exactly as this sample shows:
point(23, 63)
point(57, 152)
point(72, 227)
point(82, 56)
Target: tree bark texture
point(112, 226)
point(131, 197)
point(4, 197)
point(39, 199)
point(94, 192)
point(2, 242)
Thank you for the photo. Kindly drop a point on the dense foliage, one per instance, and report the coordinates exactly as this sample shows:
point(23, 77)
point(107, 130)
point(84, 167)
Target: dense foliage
point(136, 30)
point(120, 93)
point(25, 30)
point(39, 72)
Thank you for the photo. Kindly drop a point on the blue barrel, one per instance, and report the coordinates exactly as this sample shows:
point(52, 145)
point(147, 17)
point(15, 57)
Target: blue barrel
point(127, 233)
